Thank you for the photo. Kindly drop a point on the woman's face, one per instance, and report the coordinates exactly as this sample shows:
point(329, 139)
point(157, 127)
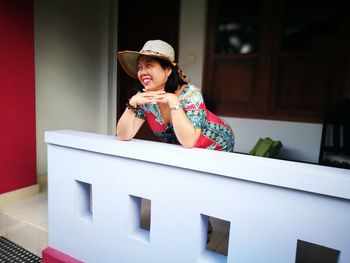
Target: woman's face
point(151, 74)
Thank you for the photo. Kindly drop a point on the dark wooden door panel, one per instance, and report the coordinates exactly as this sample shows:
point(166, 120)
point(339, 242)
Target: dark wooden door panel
point(303, 84)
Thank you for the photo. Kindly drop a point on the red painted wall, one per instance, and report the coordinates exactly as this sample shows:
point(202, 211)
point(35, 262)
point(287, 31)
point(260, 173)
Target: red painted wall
point(51, 255)
point(17, 95)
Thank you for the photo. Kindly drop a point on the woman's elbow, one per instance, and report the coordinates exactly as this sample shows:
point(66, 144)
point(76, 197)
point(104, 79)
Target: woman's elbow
point(189, 144)
point(123, 137)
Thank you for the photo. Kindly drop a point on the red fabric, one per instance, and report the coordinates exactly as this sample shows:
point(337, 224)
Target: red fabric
point(51, 255)
point(17, 99)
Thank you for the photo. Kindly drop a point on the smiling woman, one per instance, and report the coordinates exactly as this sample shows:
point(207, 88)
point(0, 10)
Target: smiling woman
point(173, 108)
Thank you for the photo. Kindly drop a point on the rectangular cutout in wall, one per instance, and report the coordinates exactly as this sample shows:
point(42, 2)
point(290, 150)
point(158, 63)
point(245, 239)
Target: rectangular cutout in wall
point(145, 222)
point(84, 200)
point(140, 218)
point(216, 232)
point(310, 252)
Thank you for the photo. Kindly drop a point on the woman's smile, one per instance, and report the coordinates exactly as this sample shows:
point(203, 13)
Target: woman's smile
point(146, 80)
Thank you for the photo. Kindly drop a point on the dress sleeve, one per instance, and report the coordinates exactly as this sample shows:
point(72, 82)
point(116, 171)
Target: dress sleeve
point(140, 113)
point(193, 105)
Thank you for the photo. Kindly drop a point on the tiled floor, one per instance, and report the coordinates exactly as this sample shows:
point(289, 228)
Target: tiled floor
point(25, 223)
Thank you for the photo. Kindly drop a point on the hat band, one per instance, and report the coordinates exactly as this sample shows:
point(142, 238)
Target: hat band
point(158, 53)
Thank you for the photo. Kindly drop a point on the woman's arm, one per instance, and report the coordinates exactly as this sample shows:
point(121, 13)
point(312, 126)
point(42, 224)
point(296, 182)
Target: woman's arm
point(128, 124)
point(185, 132)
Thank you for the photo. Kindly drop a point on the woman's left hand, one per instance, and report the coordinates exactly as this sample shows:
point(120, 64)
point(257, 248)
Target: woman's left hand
point(185, 132)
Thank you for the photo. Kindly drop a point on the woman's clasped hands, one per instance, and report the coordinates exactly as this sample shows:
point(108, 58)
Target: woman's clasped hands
point(152, 97)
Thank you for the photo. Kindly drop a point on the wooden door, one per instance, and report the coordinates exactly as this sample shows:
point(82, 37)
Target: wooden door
point(276, 59)
point(140, 21)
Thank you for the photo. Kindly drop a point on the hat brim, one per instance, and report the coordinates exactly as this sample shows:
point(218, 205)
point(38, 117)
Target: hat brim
point(128, 61)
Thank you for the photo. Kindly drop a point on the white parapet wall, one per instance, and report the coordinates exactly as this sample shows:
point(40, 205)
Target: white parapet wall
point(95, 183)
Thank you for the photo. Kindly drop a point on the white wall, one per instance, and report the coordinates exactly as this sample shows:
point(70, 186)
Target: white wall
point(192, 39)
point(301, 141)
point(269, 204)
point(74, 79)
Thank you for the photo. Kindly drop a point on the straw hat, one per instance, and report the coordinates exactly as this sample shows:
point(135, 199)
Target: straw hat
point(152, 48)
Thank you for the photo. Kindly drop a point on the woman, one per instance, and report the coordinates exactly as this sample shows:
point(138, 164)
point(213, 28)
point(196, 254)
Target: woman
point(173, 108)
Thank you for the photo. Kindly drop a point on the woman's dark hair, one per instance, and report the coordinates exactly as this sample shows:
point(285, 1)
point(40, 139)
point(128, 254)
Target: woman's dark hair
point(174, 79)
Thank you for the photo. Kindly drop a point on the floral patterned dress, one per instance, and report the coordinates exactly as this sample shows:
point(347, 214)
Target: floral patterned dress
point(215, 133)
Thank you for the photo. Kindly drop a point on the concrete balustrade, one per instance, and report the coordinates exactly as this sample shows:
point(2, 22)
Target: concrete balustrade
point(96, 182)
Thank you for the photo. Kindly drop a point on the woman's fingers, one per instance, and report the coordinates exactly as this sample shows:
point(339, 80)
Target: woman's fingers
point(153, 96)
point(153, 93)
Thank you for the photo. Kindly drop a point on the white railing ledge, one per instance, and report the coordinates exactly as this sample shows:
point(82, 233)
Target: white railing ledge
point(293, 175)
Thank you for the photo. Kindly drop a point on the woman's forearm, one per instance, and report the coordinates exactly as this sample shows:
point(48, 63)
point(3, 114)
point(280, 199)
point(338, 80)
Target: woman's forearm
point(185, 132)
point(128, 125)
